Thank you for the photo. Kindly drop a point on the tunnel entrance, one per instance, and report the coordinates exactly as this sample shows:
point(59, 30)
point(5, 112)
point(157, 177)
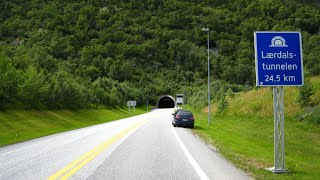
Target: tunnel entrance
point(166, 102)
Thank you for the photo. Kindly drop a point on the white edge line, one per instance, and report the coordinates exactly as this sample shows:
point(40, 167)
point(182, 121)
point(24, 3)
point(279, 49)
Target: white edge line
point(36, 144)
point(193, 162)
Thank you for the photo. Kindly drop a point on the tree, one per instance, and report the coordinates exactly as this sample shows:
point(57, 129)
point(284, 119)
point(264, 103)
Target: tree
point(33, 90)
point(66, 92)
point(9, 80)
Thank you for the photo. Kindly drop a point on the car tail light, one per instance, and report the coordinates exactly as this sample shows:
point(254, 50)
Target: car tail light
point(191, 118)
point(178, 117)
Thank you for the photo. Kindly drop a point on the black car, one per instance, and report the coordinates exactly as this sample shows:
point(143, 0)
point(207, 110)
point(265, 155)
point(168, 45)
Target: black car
point(183, 118)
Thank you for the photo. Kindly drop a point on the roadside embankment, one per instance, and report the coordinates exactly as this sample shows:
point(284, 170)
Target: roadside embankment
point(244, 132)
point(20, 125)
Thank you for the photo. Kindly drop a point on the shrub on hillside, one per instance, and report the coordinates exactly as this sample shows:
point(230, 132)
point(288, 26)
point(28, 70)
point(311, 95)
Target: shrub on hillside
point(305, 93)
point(311, 115)
point(314, 116)
point(222, 103)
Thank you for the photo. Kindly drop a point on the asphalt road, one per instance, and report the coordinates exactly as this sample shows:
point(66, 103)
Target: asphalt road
point(141, 147)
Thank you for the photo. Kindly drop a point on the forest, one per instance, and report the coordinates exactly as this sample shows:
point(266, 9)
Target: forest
point(75, 54)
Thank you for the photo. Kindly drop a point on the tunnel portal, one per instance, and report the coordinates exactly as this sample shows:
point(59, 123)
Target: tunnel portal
point(166, 101)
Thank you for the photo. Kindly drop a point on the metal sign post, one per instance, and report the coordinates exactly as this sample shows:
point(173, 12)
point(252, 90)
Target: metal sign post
point(278, 63)
point(278, 104)
point(147, 105)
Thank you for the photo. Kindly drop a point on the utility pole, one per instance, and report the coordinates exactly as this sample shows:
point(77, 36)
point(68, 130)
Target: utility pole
point(184, 91)
point(209, 101)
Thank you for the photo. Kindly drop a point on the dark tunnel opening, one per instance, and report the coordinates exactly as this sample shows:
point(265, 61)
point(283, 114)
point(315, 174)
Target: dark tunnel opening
point(166, 102)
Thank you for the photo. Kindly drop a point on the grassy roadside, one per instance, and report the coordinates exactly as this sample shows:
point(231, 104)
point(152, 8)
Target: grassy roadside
point(19, 125)
point(244, 133)
point(248, 143)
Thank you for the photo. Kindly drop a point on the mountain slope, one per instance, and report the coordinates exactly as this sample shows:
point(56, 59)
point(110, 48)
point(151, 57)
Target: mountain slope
point(80, 54)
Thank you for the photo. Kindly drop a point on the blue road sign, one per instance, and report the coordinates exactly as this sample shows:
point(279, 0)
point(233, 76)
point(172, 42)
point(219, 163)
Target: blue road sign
point(278, 59)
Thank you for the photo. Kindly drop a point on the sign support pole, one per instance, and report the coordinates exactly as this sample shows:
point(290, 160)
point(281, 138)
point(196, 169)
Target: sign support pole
point(279, 150)
point(279, 63)
point(147, 105)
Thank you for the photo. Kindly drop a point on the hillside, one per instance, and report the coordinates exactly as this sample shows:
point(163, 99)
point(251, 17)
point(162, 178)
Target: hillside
point(243, 132)
point(19, 125)
point(259, 102)
point(82, 54)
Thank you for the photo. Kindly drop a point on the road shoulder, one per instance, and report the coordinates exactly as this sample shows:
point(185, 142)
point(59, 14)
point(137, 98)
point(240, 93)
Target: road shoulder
point(212, 163)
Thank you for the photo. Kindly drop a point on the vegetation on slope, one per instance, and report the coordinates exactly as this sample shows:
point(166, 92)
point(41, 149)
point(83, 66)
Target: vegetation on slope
point(247, 141)
point(18, 125)
point(243, 132)
point(81, 54)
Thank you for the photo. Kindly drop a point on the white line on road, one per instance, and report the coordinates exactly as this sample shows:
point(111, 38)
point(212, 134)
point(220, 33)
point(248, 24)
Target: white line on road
point(193, 162)
point(49, 140)
point(36, 144)
point(64, 135)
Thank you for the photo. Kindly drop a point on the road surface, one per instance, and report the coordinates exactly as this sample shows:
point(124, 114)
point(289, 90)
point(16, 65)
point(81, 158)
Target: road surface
point(141, 147)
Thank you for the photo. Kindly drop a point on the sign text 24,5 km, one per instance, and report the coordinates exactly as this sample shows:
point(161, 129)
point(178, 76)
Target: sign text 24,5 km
point(278, 59)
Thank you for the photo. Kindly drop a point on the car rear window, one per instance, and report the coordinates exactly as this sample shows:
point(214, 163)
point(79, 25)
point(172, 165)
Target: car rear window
point(184, 113)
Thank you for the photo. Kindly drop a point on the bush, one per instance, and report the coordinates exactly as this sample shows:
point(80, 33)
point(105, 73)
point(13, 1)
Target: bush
point(222, 103)
point(305, 93)
point(314, 116)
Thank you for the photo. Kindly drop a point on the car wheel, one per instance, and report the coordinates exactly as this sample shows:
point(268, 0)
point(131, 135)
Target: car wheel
point(174, 125)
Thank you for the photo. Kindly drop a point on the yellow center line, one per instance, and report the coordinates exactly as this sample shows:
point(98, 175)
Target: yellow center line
point(74, 166)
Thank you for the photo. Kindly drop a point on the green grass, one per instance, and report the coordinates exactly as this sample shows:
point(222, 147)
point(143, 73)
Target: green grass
point(18, 125)
point(248, 143)
point(244, 133)
point(315, 98)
